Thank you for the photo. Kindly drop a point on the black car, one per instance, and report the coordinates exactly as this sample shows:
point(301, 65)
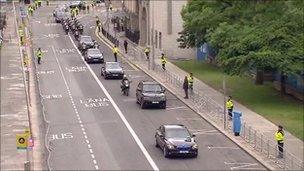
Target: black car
point(94, 55)
point(85, 42)
point(150, 93)
point(175, 139)
point(112, 70)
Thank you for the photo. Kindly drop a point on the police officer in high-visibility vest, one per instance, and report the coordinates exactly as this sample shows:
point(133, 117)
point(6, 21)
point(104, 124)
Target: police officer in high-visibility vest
point(111, 7)
point(229, 105)
point(76, 10)
point(115, 52)
point(279, 136)
point(39, 55)
point(21, 34)
point(190, 81)
point(163, 61)
point(147, 51)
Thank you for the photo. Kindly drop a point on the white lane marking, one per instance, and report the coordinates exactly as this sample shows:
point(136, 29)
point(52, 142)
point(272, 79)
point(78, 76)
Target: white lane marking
point(91, 151)
point(179, 107)
point(86, 137)
point(94, 161)
point(92, 155)
point(84, 133)
point(188, 119)
point(71, 98)
point(96, 167)
point(231, 148)
point(81, 125)
point(137, 140)
point(243, 166)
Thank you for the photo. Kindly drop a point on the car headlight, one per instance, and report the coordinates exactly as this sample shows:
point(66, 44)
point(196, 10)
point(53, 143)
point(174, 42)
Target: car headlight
point(170, 146)
point(194, 146)
point(89, 57)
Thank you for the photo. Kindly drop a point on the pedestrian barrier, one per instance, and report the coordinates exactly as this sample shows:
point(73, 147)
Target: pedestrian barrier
point(215, 112)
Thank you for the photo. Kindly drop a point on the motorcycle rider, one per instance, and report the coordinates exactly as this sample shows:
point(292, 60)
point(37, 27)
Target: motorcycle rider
point(77, 35)
point(66, 29)
point(123, 82)
point(96, 45)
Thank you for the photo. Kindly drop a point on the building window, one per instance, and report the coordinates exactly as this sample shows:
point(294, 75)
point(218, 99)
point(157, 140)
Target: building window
point(160, 39)
point(156, 36)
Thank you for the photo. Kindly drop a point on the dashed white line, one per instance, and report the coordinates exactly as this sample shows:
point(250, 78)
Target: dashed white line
point(123, 118)
point(75, 109)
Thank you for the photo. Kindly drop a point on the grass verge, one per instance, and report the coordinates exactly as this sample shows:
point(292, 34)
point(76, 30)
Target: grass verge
point(262, 99)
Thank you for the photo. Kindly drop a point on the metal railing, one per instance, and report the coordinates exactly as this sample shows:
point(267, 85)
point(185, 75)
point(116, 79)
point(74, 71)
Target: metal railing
point(208, 107)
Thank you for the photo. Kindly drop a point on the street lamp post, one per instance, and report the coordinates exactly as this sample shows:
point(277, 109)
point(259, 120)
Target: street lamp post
point(153, 45)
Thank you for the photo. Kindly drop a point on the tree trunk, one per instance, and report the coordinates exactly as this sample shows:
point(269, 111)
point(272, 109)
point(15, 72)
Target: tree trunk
point(259, 77)
point(283, 84)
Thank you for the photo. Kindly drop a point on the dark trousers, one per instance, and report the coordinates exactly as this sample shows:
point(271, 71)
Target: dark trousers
point(230, 113)
point(186, 93)
point(39, 60)
point(281, 150)
point(147, 55)
point(164, 66)
point(115, 56)
point(126, 49)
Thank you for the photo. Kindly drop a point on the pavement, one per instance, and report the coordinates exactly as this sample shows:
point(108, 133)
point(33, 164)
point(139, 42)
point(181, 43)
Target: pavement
point(19, 107)
point(14, 114)
point(292, 145)
point(94, 127)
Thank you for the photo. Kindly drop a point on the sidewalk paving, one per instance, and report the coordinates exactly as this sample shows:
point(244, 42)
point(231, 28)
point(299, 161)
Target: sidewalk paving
point(292, 144)
point(14, 116)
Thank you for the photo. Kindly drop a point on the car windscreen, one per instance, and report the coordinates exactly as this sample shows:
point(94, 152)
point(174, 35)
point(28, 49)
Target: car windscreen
point(113, 66)
point(86, 39)
point(152, 88)
point(93, 51)
point(177, 133)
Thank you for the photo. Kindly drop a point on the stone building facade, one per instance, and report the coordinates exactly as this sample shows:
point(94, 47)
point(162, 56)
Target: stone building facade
point(159, 21)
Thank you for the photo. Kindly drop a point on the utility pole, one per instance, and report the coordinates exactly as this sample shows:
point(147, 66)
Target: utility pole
point(224, 88)
point(153, 45)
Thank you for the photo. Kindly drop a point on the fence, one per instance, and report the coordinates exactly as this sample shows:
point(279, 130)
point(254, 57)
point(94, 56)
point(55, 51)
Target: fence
point(215, 112)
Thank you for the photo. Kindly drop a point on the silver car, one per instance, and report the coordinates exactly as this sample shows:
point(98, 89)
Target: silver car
point(94, 55)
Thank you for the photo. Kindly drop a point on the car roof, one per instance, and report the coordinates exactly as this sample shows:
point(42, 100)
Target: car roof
point(168, 126)
point(149, 82)
point(85, 36)
point(111, 62)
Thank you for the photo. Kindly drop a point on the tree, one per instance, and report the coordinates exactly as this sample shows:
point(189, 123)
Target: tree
point(248, 35)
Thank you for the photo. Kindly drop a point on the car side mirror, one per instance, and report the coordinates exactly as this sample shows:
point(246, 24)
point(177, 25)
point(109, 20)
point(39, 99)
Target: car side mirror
point(193, 135)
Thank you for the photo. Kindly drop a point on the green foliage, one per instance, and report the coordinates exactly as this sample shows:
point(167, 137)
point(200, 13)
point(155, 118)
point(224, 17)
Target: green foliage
point(248, 34)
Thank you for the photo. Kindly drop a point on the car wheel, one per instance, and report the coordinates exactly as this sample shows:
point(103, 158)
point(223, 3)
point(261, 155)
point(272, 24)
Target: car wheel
point(163, 105)
point(194, 155)
point(156, 144)
point(166, 153)
point(142, 104)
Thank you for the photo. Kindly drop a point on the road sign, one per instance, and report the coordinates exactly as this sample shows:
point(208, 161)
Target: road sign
point(21, 140)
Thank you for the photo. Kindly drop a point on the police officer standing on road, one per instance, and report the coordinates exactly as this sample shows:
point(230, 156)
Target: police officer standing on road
point(147, 51)
point(126, 46)
point(39, 55)
point(229, 105)
point(21, 34)
point(98, 23)
point(190, 81)
point(115, 52)
point(279, 136)
point(163, 61)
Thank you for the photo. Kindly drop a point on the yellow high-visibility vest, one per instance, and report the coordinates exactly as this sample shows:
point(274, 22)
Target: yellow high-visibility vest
point(163, 60)
point(229, 104)
point(39, 54)
point(190, 80)
point(147, 50)
point(115, 50)
point(279, 136)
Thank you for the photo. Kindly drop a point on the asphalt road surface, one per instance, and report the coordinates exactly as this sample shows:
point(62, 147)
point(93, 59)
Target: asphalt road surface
point(94, 126)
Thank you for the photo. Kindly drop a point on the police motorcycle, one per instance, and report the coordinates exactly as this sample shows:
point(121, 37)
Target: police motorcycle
point(80, 28)
point(96, 45)
point(83, 48)
point(66, 29)
point(77, 35)
point(125, 86)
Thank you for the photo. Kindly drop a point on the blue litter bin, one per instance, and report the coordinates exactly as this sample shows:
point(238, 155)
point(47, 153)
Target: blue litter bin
point(237, 122)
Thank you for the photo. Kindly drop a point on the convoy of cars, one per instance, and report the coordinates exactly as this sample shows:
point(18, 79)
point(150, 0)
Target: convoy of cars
point(173, 139)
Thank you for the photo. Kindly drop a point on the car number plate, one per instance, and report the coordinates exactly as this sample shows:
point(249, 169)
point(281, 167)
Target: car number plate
point(115, 74)
point(155, 102)
point(183, 151)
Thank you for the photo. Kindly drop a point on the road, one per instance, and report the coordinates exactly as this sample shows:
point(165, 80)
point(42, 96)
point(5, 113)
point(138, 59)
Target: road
point(93, 126)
